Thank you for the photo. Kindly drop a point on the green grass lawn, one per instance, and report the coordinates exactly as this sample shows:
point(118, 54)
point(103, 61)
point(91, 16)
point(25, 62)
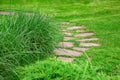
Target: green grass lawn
point(100, 16)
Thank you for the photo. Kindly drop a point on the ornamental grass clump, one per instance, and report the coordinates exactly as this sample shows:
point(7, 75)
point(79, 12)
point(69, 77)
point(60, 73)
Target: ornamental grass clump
point(25, 38)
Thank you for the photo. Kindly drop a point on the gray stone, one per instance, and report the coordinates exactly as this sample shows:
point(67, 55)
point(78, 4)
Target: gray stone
point(67, 52)
point(6, 13)
point(68, 33)
point(66, 44)
point(80, 31)
point(66, 59)
point(84, 34)
point(65, 23)
point(68, 38)
point(80, 49)
point(88, 39)
point(89, 44)
point(75, 27)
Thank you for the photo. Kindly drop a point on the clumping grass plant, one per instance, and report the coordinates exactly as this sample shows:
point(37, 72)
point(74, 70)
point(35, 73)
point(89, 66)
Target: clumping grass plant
point(25, 38)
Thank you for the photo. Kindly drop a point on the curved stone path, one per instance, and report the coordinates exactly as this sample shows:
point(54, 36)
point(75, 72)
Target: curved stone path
point(68, 51)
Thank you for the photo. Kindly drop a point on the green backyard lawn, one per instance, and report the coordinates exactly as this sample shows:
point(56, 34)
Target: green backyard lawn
point(98, 63)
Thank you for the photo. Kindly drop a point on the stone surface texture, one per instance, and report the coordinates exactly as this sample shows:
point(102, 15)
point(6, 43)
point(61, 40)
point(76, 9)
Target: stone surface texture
point(66, 59)
point(67, 52)
point(66, 44)
point(89, 44)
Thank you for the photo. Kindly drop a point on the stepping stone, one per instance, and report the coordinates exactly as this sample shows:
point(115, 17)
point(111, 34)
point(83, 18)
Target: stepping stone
point(67, 52)
point(80, 49)
point(64, 30)
point(6, 13)
point(65, 23)
point(66, 59)
point(68, 33)
point(66, 44)
point(88, 39)
point(89, 44)
point(75, 27)
point(79, 31)
point(84, 34)
point(68, 38)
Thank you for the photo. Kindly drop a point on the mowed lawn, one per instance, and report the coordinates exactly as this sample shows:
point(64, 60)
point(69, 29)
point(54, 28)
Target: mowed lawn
point(99, 16)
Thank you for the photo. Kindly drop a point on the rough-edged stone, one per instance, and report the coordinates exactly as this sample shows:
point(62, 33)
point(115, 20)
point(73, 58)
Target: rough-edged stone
point(68, 38)
point(64, 30)
point(66, 44)
point(68, 33)
point(89, 44)
point(75, 27)
point(6, 13)
point(66, 59)
point(67, 52)
point(65, 23)
point(80, 31)
point(84, 34)
point(80, 49)
point(88, 39)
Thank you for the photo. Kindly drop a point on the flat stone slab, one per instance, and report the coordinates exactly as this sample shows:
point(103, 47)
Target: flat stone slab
point(66, 59)
point(12, 13)
point(65, 23)
point(88, 39)
point(67, 52)
point(66, 44)
point(68, 33)
point(89, 44)
point(75, 27)
point(84, 34)
point(80, 31)
point(68, 38)
point(6, 13)
point(80, 49)
point(64, 30)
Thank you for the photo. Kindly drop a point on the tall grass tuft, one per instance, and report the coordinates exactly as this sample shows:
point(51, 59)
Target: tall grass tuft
point(25, 38)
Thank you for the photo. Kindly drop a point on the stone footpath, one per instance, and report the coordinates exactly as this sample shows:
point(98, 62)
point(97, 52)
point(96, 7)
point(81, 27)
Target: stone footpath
point(68, 51)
